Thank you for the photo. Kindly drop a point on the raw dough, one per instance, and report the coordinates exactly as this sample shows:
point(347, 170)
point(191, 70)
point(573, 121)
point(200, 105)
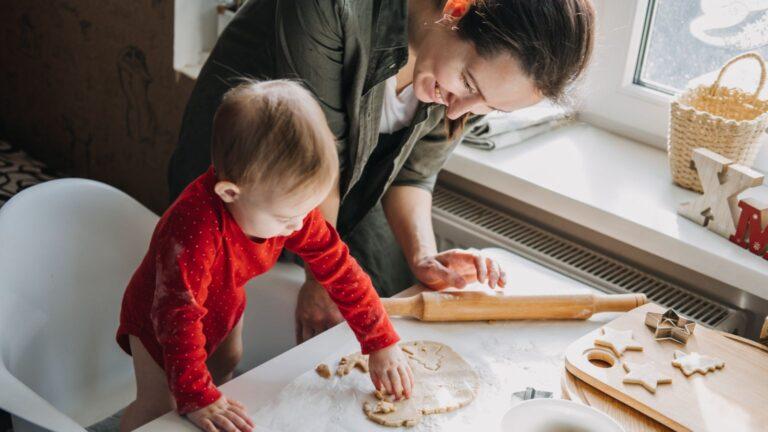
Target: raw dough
point(695, 362)
point(618, 341)
point(426, 354)
point(323, 370)
point(444, 382)
point(381, 407)
point(347, 363)
point(644, 374)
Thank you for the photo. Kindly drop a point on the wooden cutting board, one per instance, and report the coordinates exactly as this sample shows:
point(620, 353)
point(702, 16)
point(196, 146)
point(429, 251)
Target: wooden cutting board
point(630, 419)
point(731, 399)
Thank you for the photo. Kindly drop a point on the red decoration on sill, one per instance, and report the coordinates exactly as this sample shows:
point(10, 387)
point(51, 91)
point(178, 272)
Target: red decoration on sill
point(752, 231)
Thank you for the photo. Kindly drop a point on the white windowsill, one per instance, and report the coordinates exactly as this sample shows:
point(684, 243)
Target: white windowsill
point(618, 187)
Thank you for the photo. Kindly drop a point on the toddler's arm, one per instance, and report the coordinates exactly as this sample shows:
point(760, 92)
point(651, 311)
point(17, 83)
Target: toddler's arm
point(319, 245)
point(182, 267)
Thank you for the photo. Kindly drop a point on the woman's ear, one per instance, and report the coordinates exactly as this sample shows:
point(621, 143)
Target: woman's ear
point(227, 191)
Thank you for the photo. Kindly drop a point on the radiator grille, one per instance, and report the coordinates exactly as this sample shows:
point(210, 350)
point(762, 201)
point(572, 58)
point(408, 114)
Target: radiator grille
point(453, 210)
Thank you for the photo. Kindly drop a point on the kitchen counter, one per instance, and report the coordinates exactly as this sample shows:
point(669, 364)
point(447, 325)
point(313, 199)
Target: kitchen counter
point(285, 394)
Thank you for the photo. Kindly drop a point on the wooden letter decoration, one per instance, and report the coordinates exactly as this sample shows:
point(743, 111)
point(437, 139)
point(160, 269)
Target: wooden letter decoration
point(722, 181)
point(752, 231)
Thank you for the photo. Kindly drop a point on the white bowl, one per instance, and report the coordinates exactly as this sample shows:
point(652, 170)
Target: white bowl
point(555, 415)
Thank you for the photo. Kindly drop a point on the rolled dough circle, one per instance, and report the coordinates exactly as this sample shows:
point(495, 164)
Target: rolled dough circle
point(443, 382)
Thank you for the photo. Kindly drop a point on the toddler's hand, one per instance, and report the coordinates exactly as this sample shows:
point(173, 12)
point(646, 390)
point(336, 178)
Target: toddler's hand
point(223, 415)
point(391, 372)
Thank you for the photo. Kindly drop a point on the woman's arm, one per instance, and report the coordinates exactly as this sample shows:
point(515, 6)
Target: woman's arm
point(408, 207)
point(409, 213)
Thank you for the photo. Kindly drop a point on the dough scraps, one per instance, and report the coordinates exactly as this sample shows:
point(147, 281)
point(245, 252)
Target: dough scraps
point(323, 370)
point(695, 362)
point(347, 363)
point(444, 382)
point(381, 407)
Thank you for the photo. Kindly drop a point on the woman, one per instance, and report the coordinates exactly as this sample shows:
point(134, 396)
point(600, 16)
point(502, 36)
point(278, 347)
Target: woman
point(397, 80)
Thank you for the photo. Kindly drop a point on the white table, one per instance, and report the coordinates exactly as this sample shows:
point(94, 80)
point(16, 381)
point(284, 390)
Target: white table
point(509, 356)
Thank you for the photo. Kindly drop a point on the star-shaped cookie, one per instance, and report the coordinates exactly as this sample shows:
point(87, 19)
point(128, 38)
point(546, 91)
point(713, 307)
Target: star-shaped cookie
point(618, 341)
point(644, 374)
point(695, 362)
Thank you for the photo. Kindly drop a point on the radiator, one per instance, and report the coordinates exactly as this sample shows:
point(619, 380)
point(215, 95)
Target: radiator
point(461, 221)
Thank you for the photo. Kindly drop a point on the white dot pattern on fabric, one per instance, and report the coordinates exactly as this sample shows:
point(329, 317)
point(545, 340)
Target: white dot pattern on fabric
point(194, 287)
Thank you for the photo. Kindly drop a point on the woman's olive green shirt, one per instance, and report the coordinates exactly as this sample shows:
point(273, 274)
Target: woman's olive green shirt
point(343, 51)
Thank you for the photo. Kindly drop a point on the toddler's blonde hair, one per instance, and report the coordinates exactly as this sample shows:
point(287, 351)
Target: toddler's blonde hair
point(274, 135)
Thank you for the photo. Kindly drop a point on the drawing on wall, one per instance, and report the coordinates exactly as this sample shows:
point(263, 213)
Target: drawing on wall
point(76, 143)
point(140, 119)
point(29, 39)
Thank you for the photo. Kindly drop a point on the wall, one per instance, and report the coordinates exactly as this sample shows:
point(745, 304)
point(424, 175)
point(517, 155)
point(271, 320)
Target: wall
point(89, 88)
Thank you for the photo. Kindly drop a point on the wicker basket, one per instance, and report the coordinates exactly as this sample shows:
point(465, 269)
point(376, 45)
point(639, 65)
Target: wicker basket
point(725, 120)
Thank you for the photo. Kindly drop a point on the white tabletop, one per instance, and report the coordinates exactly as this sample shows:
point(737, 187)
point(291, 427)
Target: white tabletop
point(284, 394)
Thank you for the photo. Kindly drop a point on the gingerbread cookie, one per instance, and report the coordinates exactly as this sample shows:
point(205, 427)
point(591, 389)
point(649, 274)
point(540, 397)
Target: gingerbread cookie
point(644, 374)
point(618, 341)
point(695, 362)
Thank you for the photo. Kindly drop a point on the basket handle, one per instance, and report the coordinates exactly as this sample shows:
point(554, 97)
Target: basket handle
point(758, 58)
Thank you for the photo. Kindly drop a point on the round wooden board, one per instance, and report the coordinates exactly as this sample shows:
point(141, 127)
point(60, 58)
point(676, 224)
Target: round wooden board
point(629, 418)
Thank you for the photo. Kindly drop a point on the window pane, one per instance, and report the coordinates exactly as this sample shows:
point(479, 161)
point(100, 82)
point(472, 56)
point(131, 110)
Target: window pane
point(687, 42)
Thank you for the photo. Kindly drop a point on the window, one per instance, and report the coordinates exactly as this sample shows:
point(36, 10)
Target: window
point(647, 50)
point(687, 41)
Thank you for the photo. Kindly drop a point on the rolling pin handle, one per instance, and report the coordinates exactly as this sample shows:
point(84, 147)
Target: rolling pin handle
point(405, 306)
point(619, 302)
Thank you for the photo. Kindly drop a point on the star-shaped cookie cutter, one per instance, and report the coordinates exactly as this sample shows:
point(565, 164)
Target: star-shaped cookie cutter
point(670, 325)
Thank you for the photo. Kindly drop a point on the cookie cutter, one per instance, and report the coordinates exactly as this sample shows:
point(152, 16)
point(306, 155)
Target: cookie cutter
point(670, 326)
point(531, 393)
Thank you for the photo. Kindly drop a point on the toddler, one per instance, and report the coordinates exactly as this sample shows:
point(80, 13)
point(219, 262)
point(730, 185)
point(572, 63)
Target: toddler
point(274, 161)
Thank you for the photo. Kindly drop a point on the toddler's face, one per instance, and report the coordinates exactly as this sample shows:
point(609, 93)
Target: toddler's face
point(264, 214)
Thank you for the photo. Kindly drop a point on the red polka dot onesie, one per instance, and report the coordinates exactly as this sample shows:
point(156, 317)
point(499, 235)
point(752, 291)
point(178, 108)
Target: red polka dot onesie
point(187, 294)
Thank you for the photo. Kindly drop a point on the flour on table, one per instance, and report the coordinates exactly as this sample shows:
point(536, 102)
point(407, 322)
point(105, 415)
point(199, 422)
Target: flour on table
point(444, 382)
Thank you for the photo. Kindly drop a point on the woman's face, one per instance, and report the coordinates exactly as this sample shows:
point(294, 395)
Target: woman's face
point(449, 71)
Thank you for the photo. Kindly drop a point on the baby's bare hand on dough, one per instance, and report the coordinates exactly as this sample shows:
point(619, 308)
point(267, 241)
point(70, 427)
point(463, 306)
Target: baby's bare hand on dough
point(390, 372)
point(223, 415)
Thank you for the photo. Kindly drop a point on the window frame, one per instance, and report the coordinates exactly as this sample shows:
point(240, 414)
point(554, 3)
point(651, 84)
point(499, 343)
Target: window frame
point(609, 97)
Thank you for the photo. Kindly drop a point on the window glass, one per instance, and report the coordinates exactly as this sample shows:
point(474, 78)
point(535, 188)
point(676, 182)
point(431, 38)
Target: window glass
point(687, 41)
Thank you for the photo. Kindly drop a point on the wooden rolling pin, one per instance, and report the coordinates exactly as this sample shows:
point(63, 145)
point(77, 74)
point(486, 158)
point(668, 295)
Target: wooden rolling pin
point(479, 306)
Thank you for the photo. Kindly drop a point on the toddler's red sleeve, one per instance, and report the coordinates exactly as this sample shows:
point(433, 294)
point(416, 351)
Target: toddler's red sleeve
point(187, 246)
point(319, 245)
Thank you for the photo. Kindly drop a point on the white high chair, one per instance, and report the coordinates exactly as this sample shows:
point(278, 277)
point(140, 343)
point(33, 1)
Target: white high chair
point(67, 250)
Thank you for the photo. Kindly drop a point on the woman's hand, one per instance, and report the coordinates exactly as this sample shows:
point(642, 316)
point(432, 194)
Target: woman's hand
point(315, 311)
point(390, 372)
point(223, 415)
point(458, 267)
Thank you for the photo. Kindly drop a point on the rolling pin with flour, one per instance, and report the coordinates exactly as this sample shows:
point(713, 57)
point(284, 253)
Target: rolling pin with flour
point(480, 306)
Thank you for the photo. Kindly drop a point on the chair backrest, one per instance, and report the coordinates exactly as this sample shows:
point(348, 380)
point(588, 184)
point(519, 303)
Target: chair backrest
point(67, 250)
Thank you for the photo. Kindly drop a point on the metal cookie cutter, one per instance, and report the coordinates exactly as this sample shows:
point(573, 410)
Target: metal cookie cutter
point(531, 393)
point(670, 325)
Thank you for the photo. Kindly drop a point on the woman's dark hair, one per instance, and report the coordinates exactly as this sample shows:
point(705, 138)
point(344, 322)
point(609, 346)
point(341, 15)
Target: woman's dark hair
point(552, 39)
